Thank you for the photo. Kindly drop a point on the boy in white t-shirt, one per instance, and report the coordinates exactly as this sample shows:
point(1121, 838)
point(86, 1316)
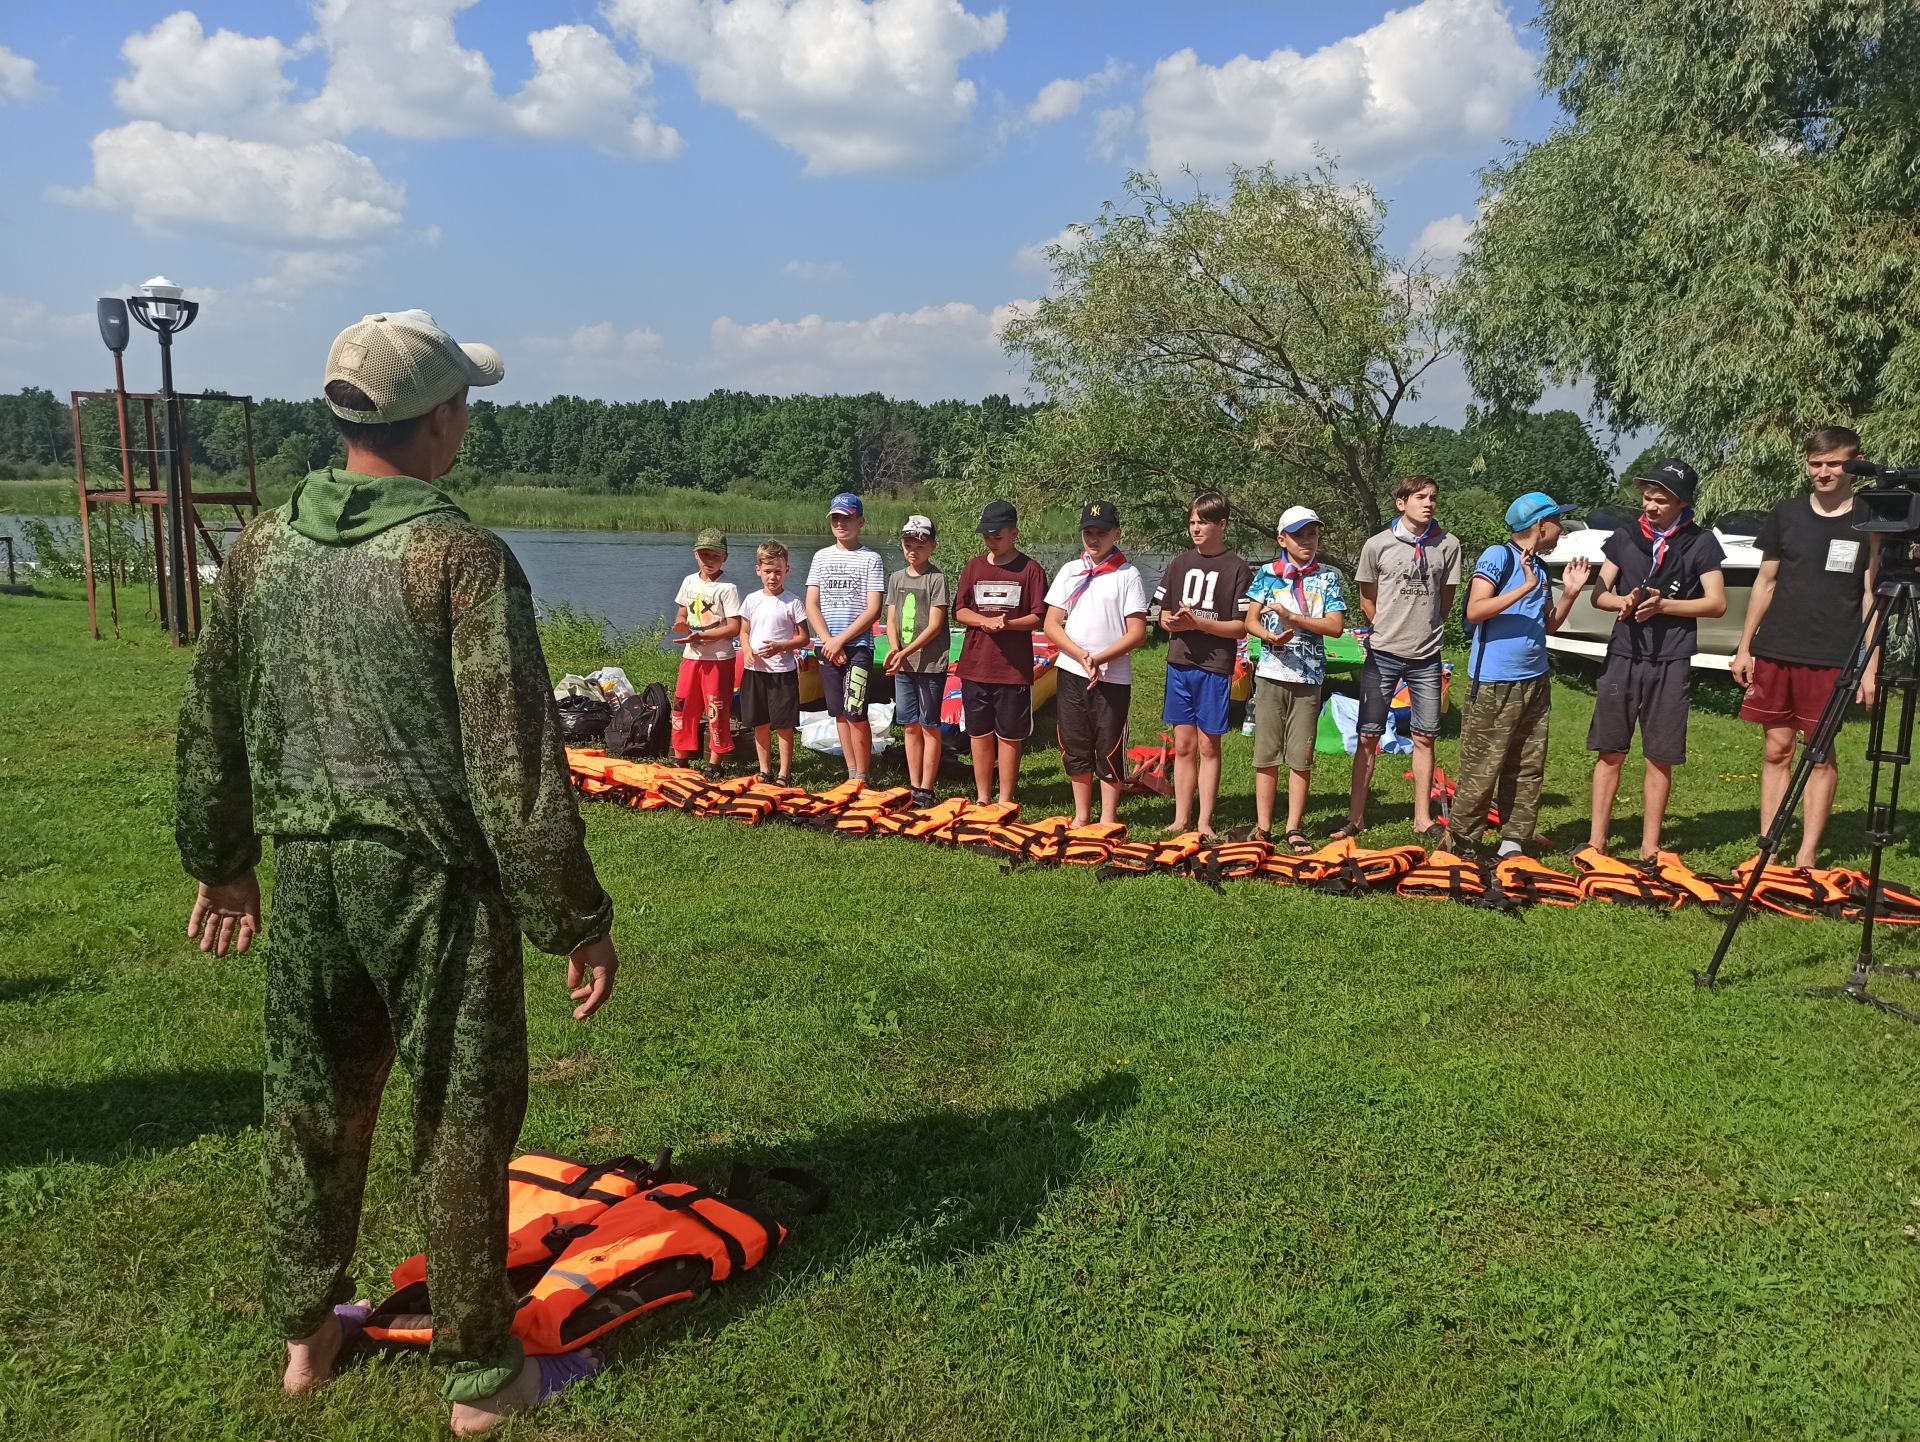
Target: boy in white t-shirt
point(1096, 615)
point(707, 612)
point(773, 631)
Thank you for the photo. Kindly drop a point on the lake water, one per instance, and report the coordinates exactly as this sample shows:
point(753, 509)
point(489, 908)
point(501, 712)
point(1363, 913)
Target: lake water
point(631, 577)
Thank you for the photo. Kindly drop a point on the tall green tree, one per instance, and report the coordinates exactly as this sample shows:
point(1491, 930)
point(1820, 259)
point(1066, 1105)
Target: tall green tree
point(1261, 343)
point(1723, 234)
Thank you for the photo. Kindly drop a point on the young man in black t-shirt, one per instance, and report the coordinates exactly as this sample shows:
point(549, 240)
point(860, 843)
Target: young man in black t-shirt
point(1809, 603)
point(1199, 601)
point(1660, 577)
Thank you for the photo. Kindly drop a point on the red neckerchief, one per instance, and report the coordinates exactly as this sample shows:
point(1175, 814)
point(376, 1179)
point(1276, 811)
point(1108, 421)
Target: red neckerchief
point(1658, 539)
point(1114, 561)
point(1429, 537)
point(1297, 577)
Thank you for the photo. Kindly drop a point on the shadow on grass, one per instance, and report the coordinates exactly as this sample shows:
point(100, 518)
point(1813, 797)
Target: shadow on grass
point(120, 1116)
point(926, 1189)
point(27, 988)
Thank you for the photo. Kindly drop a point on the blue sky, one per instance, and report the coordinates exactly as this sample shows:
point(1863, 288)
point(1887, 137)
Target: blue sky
point(659, 197)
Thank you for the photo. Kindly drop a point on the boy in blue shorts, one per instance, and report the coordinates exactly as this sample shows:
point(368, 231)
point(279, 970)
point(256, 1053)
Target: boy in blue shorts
point(917, 602)
point(1199, 600)
point(846, 584)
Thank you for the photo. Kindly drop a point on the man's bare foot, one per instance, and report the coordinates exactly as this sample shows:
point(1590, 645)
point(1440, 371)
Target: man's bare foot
point(539, 1380)
point(310, 1360)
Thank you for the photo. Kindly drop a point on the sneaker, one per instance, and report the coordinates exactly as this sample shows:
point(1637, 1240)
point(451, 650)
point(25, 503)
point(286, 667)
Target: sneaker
point(712, 771)
point(919, 799)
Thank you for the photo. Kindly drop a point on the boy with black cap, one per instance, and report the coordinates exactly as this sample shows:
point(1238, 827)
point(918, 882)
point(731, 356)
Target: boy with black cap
point(1661, 577)
point(1503, 733)
point(1000, 601)
point(1097, 616)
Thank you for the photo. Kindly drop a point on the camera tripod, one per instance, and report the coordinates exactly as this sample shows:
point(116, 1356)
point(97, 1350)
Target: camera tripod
point(1896, 608)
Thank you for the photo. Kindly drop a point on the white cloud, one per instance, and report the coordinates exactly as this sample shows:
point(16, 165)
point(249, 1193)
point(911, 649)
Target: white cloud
point(851, 85)
point(396, 66)
point(1112, 129)
point(938, 350)
point(297, 271)
point(1034, 257)
point(582, 89)
point(816, 272)
point(1443, 240)
point(179, 74)
point(602, 342)
point(1437, 76)
point(28, 325)
point(170, 180)
point(19, 77)
point(1059, 99)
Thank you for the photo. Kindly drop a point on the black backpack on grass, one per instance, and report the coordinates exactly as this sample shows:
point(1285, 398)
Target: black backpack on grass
point(642, 725)
point(583, 719)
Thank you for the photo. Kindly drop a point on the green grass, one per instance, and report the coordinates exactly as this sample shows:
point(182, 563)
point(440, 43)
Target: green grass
point(1112, 1160)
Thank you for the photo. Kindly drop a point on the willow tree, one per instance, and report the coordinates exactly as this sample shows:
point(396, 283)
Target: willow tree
point(1261, 344)
point(1723, 234)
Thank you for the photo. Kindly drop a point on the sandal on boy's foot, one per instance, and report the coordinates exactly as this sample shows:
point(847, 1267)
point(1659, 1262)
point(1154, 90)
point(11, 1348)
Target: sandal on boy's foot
point(712, 771)
point(1432, 834)
point(551, 1376)
point(1255, 833)
point(785, 780)
point(1299, 843)
point(1345, 831)
point(765, 778)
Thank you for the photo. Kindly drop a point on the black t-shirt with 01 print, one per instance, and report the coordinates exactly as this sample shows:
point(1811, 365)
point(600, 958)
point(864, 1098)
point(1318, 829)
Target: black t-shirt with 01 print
point(1209, 586)
point(1814, 618)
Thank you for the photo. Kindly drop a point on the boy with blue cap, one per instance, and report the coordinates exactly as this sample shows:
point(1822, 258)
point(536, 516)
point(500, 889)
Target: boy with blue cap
point(1503, 733)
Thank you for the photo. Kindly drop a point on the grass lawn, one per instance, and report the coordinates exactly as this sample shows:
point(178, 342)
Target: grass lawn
point(1111, 1160)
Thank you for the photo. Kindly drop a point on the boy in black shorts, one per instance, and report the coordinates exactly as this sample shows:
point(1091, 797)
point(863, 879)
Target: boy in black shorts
point(1000, 601)
point(773, 632)
point(1660, 576)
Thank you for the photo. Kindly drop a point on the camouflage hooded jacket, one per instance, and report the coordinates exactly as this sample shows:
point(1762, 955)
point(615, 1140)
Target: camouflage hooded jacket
point(370, 668)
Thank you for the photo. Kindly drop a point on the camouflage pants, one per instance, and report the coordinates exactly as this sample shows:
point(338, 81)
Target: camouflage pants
point(377, 952)
point(1503, 760)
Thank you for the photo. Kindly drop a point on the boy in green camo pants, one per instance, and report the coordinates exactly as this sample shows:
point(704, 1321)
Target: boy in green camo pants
point(371, 693)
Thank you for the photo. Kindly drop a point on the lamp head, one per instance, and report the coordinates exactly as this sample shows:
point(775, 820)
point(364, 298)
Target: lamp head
point(111, 311)
point(162, 306)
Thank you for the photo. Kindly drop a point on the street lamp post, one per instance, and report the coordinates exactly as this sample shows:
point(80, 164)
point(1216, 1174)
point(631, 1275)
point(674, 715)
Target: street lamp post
point(162, 308)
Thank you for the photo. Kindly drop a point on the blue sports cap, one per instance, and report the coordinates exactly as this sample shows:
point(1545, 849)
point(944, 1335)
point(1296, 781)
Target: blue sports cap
point(1534, 506)
point(846, 504)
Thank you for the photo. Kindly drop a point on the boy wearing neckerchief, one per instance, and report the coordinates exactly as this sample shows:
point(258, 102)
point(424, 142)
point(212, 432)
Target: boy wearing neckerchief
point(1293, 605)
point(1660, 577)
point(1097, 616)
point(1407, 577)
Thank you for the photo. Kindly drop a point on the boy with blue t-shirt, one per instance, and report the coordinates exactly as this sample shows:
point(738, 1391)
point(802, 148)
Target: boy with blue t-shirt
point(1503, 730)
point(1292, 605)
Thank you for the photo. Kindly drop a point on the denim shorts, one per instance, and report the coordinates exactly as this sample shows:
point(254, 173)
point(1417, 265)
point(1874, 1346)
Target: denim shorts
point(916, 697)
point(1381, 676)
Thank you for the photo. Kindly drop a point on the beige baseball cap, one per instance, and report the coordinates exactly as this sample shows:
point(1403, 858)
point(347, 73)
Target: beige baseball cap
point(406, 364)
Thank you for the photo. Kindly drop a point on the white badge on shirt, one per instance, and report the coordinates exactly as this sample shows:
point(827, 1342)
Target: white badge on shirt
point(1841, 555)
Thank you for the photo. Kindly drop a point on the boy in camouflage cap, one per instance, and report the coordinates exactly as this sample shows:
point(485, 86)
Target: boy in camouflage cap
point(370, 692)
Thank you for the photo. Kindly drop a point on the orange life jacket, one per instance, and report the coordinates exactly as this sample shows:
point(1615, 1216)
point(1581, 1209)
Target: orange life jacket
point(1088, 845)
point(1350, 870)
point(1608, 878)
point(665, 1243)
point(1229, 861)
point(1691, 885)
point(1896, 905)
point(550, 1200)
point(1792, 890)
point(1136, 858)
point(1527, 881)
point(932, 822)
point(1448, 875)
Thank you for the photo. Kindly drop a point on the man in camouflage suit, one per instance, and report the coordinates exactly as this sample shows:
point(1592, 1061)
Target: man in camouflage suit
point(370, 692)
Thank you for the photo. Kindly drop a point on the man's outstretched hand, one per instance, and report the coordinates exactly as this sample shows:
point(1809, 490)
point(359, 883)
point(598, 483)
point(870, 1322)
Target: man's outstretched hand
point(226, 916)
point(590, 975)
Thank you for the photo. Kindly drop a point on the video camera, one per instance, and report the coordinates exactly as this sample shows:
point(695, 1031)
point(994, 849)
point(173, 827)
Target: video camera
point(1892, 502)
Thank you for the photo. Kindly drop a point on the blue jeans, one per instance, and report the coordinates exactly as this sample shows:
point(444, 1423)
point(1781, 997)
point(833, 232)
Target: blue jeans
point(1381, 676)
point(916, 697)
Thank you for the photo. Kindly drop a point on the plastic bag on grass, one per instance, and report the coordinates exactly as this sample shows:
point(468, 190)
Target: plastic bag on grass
point(819, 732)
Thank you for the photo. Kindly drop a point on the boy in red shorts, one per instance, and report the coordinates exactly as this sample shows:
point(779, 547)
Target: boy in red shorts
point(1809, 603)
point(707, 608)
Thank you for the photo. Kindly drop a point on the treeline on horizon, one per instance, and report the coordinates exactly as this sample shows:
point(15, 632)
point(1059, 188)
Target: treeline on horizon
point(732, 441)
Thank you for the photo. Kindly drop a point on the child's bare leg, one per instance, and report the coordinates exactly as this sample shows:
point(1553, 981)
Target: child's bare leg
point(1266, 785)
point(763, 746)
point(1109, 802)
point(1299, 783)
point(1659, 786)
point(786, 751)
point(1207, 782)
point(1009, 754)
point(983, 748)
point(1082, 798)
point(1606, 787)
point(310, 1359)
point(1185, 772)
